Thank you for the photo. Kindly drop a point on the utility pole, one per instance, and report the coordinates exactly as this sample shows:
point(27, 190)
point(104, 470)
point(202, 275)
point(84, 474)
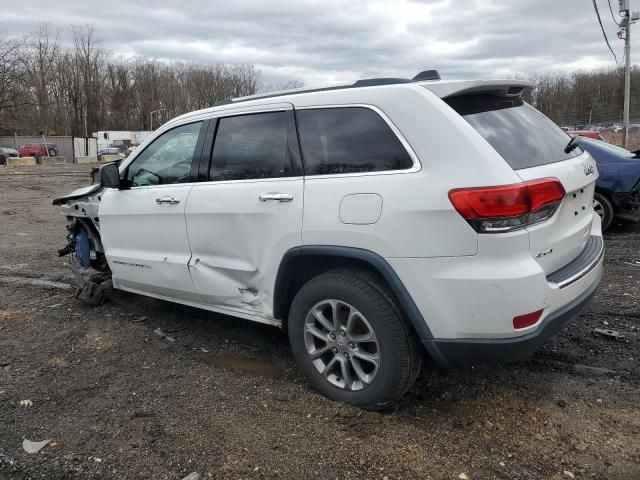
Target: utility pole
point(151, 116)
point(625, 31)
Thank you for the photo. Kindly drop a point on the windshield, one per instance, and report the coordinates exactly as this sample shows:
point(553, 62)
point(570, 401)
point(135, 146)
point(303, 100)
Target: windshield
point(522, 135)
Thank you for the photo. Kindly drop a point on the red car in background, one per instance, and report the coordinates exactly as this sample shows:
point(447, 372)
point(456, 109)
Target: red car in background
point(38, 150)
point(587, 133)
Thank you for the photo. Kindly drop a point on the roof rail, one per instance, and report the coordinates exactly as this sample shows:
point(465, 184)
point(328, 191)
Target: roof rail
point(366, 82)
point(372, 82)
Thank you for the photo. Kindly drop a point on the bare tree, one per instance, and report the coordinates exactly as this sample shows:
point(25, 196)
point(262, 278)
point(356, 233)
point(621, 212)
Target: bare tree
point(65, 82)
point(39, 59)
point(12, 93)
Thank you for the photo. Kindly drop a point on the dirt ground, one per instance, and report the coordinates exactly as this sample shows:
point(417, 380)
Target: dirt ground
point(225, 399)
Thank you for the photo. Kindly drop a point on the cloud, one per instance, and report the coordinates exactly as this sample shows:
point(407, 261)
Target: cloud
point(335, 41)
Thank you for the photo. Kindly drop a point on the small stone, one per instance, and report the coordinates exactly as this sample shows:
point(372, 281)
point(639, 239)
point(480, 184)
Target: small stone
point(463, 476)
point(580, 447)
point(561, 403)
point(26, 403)
point(569, 474)
point(502, 464)
point(488, 424)
point(598, 400)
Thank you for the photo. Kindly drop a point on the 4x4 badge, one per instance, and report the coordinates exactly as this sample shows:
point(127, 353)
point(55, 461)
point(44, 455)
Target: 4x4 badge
point(588, 169)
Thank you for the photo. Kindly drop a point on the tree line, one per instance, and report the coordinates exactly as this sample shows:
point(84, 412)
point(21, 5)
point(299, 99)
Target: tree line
point(76, 87)
point(585, 98)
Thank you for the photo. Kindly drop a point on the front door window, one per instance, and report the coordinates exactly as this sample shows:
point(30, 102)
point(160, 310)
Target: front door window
point(167, 159)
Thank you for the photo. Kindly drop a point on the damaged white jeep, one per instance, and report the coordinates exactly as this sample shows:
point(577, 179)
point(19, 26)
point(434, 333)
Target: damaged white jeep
point(368, 221)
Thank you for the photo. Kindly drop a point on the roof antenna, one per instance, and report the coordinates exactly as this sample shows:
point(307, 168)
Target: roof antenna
point(427, 75)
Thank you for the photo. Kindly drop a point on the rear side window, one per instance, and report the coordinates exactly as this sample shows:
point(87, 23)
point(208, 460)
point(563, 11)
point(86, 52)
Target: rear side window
point(252, 146)
point(348, 140)
point(522, 135)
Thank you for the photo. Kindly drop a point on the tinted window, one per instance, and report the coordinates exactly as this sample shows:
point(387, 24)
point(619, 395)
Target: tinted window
point(252, 146)
point(346, 140)
point(167, 159)
point(522, 135)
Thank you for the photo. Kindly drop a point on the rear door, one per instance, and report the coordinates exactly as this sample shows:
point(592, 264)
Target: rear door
point(534, 147)
point(248, 213)
point(143, 228)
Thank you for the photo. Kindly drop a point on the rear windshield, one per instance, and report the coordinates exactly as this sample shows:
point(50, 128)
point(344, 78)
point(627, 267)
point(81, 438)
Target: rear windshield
point(522, 135)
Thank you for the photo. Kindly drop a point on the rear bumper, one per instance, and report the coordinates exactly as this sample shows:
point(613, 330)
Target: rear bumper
point(462, 352)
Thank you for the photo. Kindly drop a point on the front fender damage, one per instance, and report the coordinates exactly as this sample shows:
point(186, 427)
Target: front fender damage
point(84, 248)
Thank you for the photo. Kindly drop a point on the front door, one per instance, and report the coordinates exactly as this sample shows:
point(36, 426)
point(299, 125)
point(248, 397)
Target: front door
point(143, 228)
point(249, 213)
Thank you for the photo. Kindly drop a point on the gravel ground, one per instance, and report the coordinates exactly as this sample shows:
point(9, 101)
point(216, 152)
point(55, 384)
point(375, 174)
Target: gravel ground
point(222, 396)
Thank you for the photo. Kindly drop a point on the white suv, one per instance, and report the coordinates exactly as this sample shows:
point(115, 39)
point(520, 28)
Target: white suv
point(366, 220)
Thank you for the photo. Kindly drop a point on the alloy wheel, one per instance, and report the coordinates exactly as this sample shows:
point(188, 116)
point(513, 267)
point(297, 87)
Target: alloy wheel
point(342, 345)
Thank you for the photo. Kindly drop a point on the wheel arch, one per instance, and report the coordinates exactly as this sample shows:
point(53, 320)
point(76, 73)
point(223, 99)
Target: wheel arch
point(302, 263)
point(608, 194)
point(605, 193)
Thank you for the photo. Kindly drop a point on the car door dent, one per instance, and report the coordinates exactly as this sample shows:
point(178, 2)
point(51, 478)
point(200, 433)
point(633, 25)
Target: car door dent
point(234, 287)
point(236, 238)
point(225, 263)
point(197, 303)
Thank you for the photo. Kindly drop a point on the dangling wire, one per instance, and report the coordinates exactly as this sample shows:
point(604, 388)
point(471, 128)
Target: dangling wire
point(595, 6)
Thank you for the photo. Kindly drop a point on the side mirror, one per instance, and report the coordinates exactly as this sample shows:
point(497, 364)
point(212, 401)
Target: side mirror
point(110, 176)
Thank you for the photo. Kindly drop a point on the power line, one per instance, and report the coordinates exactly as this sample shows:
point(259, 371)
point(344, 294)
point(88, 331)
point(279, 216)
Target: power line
point(612, 15)
point(595, 6)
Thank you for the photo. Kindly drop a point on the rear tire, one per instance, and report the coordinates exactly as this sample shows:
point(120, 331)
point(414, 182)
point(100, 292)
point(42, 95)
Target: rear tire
point(52, 153)
point(361, 351)
point(603, 207)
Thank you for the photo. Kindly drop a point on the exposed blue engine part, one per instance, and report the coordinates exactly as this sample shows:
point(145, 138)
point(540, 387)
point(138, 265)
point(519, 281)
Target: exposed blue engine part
point(83, 248)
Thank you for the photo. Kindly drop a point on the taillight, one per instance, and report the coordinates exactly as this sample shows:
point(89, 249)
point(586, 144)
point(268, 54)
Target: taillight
point(508, 207)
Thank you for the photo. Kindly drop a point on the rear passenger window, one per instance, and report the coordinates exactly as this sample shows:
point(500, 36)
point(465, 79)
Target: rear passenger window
point(252, 146)
point(348, 140)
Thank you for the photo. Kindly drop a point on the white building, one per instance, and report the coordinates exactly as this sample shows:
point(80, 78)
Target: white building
point(118, 137)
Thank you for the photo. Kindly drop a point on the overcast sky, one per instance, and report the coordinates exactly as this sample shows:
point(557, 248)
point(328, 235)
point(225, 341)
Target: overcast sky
point(334, 41)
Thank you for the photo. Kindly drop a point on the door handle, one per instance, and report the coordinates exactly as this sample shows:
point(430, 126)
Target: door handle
point(278, 197)
point(169, 200)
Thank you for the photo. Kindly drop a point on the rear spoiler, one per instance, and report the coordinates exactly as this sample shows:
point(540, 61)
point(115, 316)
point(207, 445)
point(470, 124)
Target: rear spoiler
point(500, 88)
